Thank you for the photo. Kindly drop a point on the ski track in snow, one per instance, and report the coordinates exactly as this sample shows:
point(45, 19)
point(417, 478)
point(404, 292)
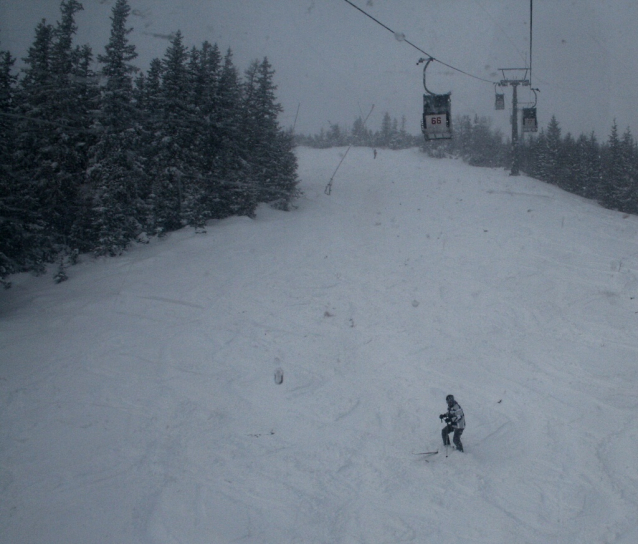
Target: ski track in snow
point(138, 400)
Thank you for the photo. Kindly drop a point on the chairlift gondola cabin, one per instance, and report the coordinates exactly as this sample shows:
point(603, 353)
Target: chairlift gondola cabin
point(437, 112)
point(530, 124)
point(436, 124)
point(499, 101)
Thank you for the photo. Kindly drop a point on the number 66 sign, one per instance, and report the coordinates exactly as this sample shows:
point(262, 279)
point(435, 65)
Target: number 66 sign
point(436, 123)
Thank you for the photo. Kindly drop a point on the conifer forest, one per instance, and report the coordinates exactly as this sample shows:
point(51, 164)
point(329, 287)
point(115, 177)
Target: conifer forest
point(96, 153)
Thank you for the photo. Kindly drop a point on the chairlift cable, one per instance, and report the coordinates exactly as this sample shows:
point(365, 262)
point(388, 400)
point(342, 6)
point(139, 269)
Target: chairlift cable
point(501, 29)
point(531, 18)
point(416, 47)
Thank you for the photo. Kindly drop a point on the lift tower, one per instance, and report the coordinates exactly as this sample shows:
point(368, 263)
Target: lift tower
point(514, 83)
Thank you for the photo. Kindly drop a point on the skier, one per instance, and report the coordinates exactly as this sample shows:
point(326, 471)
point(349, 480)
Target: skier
point(455, 420)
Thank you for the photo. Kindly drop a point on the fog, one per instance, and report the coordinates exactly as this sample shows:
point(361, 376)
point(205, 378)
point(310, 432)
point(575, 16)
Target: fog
point(332, 62)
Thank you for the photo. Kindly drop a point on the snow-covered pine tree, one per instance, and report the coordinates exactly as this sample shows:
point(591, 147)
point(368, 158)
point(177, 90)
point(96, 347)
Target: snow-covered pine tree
point(581, 166)
point(336, 136)
point(553, 151)
point(462, 142)
point(234, 189)
point(12, 212)
point(591, 158)
point(613, 191)
point(360, 135)
point(196, 80)
point(404, 140)
point(486, 144)
point(147, 101)
point(394, 135)
point(170, 167)
point(257, 127)
point(272, 158)
point(54, 135)
point(34, 135)
point(206, 102)
point(116, 174)
point(628, 189)
point(540, 157)
point(210, 65)
point(117, 91)
point(71, 138)
point(569, 171)
point(195, 211)
point(7, 119)
point(82, 130)
point(62, 52)
point(147, 90)
point(285, 181)
point(384, 136)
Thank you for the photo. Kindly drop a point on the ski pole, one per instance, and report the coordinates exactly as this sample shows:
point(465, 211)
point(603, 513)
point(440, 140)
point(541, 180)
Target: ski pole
point(446, 442)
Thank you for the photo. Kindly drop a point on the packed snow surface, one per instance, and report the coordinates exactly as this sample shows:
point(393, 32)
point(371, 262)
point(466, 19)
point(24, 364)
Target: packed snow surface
point(139, 401)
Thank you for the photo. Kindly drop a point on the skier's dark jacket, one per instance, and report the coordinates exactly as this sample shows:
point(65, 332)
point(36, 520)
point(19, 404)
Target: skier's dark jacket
point(456, 416)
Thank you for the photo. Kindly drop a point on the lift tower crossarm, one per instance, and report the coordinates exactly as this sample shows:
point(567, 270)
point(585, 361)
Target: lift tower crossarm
point(512, 82)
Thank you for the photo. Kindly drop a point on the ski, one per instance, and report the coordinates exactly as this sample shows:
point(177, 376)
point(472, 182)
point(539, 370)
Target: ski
point(427, 453)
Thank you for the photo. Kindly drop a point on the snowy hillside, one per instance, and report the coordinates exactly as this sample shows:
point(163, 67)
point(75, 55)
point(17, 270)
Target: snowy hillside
point(138, 400)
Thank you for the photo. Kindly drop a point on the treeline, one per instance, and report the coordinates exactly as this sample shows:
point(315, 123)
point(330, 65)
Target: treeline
point(606, 172)
point(474, 140)
point(92, 159)
point(603, 171)
point(391, 135)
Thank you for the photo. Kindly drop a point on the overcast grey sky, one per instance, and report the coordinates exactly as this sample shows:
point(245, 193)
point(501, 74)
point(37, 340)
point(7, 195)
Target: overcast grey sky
point(335, 63)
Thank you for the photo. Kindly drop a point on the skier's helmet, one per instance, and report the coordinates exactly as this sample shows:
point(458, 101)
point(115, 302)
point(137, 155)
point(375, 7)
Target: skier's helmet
point(450, 400)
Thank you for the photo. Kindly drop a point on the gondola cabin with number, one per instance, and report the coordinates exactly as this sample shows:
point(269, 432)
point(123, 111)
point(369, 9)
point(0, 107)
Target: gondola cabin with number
point(437, 112)
point(499, 103)
point(530, 124)
point(437, 117)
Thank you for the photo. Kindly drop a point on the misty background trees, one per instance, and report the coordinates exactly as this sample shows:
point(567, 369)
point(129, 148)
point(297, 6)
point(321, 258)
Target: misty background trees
point(606, 172)
point(95, 153)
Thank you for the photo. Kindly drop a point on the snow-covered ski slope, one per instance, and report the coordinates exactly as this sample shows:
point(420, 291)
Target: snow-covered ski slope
point(138, 401)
